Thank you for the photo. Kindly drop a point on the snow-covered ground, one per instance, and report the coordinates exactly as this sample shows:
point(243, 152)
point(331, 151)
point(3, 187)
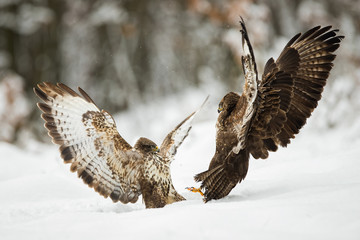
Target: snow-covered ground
point(310, 190)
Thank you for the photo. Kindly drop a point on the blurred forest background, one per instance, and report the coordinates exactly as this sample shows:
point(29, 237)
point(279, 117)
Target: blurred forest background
point(130, 52)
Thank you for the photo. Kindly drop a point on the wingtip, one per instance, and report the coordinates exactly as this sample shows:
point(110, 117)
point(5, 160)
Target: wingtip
point(38, 92)
point(242, 22)
point(44, 107)
point(86, 96)
point(205, 101)
point(201, 107)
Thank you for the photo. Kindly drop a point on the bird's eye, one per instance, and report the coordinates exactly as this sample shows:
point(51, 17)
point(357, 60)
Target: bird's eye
point(155, 149)
point(220, 108)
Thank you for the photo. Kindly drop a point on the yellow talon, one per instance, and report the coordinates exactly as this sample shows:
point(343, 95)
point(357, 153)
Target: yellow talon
point(192, 189)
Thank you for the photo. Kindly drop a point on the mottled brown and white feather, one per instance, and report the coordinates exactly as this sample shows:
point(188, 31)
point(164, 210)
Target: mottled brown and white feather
point(90, 142)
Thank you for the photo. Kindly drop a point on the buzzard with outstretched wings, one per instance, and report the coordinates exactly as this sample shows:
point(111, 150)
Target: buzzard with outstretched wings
point(90, 142)
point(270, 111)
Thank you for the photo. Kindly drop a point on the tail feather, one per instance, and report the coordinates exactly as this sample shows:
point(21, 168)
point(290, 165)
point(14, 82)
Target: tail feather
point(208, 177)
point(215, 183)
point(218, 181)
point(223, 187)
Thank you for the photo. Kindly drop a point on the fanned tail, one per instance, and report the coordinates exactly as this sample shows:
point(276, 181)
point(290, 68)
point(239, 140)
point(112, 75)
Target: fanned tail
point(215, 183)
point(220, 180)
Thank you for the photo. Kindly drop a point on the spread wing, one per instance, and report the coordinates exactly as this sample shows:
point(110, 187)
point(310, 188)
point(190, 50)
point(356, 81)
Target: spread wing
point(176, 137)
point(291, 88)
point(89, 140)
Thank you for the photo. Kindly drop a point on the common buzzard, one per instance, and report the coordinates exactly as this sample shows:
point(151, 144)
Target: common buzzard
point(271, 110)
point(89, 140)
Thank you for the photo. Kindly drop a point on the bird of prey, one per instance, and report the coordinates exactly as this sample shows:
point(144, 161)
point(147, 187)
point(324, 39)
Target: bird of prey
point(270, 110)
point(90, 142)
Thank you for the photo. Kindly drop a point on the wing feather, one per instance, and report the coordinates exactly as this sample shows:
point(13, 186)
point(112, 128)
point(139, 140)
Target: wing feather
point(176, 137)
point(305, 65)
point(86, 96)
point(89, 140)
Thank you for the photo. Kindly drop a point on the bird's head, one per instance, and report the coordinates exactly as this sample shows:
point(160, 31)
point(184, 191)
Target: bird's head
point(228, 103)
point(146, 146)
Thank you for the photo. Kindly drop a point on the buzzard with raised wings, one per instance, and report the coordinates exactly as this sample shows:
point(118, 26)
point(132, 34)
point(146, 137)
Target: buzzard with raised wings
point(90, 142)
point(270, 110)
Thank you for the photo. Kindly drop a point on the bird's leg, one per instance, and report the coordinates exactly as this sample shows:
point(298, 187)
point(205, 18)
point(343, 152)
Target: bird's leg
point(193, 189)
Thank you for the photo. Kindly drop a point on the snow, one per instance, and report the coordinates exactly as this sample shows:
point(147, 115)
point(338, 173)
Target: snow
point(309, 190)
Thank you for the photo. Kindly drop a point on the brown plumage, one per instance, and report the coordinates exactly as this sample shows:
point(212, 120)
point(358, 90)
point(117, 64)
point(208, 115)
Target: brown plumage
point(90, 142)
point(271, 111)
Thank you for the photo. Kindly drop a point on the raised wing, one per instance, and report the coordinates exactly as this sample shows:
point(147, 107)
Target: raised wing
point(291, 88)
point(242, 120)
point(89, 140)
point(248, 58)
point(176, 137)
